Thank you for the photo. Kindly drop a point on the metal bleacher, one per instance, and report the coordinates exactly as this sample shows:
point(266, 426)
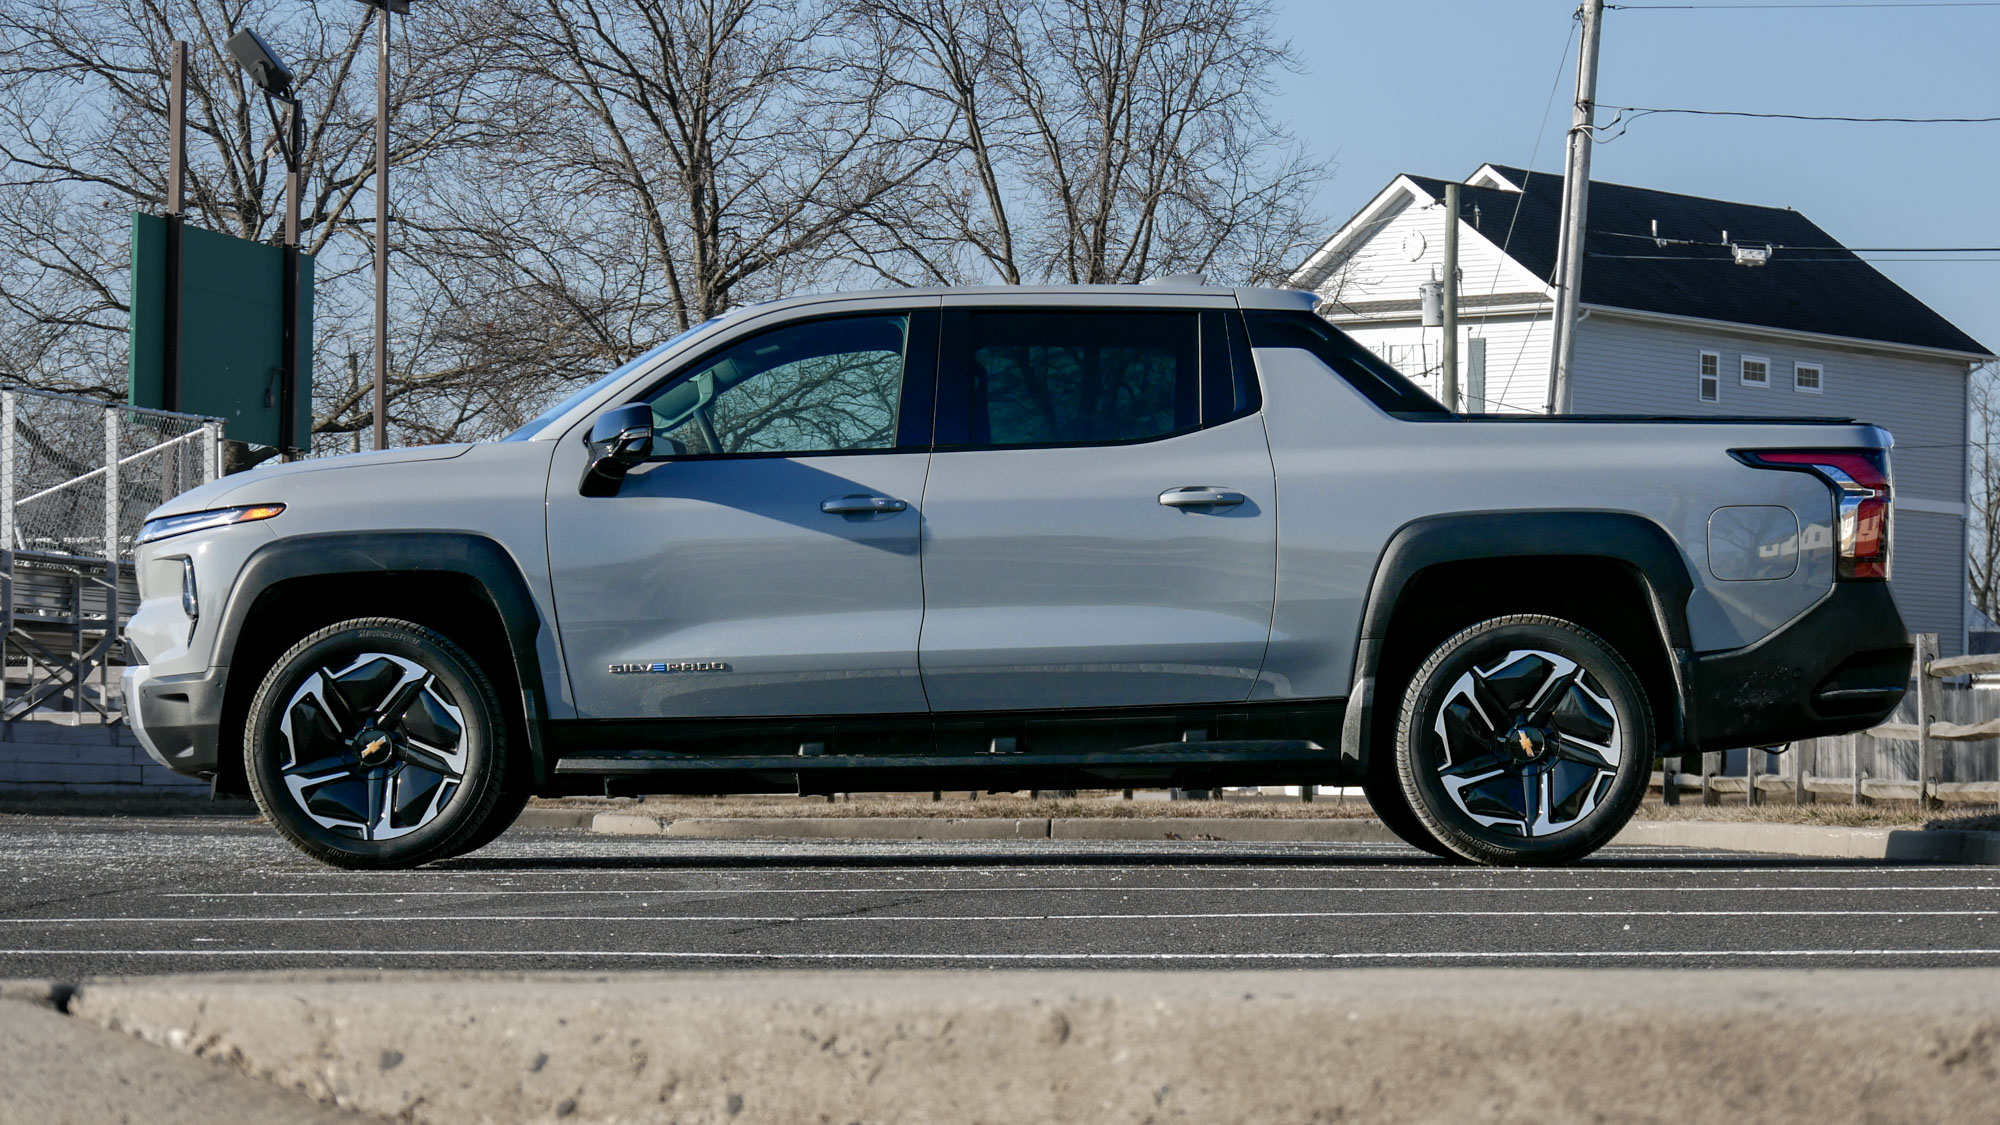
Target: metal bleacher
point(77, 477)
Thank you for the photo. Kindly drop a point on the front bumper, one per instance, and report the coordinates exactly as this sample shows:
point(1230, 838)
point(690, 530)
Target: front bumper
point(178, 719)
point(1840, 666)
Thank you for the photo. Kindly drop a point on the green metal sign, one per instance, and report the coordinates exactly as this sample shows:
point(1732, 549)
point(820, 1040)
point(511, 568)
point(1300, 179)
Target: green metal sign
point(230, 336)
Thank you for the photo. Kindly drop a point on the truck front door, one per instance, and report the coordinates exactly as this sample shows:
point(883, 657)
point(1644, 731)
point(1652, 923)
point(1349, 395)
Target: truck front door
point(767, 563)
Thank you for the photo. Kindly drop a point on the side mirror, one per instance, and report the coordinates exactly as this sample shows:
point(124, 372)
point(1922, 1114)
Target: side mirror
point(619, 440)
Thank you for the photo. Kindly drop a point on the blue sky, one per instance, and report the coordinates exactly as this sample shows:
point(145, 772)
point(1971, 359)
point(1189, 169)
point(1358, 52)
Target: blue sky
point(1438, 88)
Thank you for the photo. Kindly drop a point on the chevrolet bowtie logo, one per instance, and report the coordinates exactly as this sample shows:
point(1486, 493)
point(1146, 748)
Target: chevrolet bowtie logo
point(1527, 744)
point(659, 667)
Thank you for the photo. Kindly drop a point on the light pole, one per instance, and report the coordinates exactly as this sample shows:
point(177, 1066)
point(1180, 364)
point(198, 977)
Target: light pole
point(381, 395)
point(275, 79)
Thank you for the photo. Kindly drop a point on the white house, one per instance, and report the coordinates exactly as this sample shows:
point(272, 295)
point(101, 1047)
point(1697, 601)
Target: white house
point(1673, 324)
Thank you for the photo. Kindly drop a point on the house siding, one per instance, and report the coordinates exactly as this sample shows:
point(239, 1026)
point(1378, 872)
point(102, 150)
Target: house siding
point(1927, 571)
point(1517, 356)
point(1632, 366)
point(1379, 268)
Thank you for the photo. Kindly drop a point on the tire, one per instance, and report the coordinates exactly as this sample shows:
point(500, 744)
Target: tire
point(505, 812)
point(377, 744)
point(1524, 741)
point(1385, 795)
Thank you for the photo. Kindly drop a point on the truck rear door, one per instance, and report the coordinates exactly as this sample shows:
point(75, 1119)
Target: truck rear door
point(1100, 519)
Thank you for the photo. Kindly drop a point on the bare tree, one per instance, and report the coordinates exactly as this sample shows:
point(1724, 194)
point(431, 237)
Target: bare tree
point(1100, 141)
point(734, 138)
point(578, 179)
point(1983, 476)
point(83, 91)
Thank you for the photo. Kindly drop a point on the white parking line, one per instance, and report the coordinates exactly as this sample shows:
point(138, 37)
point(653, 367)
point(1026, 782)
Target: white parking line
point(1104, 888)
point(348, 919)
point(708, 955)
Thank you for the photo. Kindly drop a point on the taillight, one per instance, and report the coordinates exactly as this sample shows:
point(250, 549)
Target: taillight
point(1860, 482)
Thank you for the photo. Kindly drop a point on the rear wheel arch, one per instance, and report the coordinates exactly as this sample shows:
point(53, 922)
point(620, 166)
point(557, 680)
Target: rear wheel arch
point(1616, 574)
point(463, 585)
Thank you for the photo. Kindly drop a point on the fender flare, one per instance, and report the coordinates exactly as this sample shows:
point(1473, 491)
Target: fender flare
point(471, 554)
point(1471, 536)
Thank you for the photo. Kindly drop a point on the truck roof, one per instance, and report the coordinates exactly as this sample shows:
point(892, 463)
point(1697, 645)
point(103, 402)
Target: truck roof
point(1249, 297)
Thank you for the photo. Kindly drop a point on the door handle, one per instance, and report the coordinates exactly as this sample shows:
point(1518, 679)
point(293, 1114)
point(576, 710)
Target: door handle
point(1201, 496)
point(861, 504)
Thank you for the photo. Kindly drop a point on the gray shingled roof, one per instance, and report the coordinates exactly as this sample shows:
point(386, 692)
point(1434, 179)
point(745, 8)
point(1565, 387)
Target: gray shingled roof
point(1827, 289)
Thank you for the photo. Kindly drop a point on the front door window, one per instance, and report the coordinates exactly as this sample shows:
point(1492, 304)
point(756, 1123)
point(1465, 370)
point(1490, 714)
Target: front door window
point(828, 386)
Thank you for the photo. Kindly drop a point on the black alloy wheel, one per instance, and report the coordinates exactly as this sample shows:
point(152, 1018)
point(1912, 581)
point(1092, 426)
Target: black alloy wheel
point(378, 743)
point(1524, 740)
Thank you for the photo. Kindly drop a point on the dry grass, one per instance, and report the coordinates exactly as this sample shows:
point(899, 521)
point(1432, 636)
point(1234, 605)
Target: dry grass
point(1107, 804)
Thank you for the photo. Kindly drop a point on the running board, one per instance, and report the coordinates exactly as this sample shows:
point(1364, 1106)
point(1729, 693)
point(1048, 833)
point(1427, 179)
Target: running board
point(625, 763)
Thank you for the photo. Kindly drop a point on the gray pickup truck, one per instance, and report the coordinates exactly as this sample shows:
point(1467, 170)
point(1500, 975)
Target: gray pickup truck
point(1013, 538)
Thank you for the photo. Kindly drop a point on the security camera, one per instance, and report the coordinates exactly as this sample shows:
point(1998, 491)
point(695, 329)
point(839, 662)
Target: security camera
point(255, 56)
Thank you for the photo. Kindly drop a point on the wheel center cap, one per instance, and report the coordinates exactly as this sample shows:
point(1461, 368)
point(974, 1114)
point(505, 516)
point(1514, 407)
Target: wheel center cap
point(1525, 743)
point(376, 747)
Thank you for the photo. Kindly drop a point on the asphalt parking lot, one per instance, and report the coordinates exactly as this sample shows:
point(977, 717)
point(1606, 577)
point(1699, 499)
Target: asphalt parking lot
point(90, 897)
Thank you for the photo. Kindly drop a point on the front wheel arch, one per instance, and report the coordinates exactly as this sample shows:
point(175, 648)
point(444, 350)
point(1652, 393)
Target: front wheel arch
point(464, 586)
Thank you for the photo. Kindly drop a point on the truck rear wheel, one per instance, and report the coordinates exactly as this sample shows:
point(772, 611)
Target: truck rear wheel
point(1524, 740)
point(377, 743)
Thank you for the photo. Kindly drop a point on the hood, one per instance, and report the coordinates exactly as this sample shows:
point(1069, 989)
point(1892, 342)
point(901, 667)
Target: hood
point(216, 494)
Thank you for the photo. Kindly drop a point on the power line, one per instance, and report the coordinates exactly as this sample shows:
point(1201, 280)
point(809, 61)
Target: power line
point(1642, 111)
point(1781, 7)
point(1798, 261)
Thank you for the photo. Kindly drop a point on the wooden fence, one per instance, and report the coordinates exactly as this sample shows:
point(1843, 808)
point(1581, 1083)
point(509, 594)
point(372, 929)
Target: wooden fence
point(1951, 755)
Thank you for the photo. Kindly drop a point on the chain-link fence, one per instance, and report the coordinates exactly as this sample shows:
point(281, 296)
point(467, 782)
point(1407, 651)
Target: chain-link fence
point(77, 477)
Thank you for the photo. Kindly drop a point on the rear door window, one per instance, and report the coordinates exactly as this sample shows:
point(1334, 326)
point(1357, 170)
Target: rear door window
point(1069, 377)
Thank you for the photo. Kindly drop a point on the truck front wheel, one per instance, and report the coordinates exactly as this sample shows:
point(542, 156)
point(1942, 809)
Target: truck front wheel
point(1524, 740)
point(377, 743)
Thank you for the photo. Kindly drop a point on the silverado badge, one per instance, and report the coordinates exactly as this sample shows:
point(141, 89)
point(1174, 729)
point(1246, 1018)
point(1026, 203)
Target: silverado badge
point(669, 666)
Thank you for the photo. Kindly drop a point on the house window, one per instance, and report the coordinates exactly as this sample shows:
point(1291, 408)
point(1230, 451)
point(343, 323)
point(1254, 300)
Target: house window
point(1756, 371)
point(1711, 377)
point(1806, 377)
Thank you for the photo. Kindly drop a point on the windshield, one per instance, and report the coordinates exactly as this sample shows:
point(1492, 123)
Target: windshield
point(534, 427)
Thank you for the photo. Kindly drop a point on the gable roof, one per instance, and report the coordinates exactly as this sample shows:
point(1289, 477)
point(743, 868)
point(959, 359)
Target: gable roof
point(1819, 287)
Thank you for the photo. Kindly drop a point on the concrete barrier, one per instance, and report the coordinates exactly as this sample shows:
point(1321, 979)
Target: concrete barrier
point(1548, 1046)
point(59, 1071)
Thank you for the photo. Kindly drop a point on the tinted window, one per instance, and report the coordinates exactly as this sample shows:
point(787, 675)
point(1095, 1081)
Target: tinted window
point(1368, 373)
point(1059, 378)
point(827, 386)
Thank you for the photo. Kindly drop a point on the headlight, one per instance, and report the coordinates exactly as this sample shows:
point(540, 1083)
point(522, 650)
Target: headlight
point(168, 526)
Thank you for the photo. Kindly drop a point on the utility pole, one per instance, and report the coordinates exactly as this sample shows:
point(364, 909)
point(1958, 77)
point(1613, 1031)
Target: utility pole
point(1575, 210)
point(288, 393)
point(170, 368)
point(382, 225)
point(385, 7)
point(1451, 297)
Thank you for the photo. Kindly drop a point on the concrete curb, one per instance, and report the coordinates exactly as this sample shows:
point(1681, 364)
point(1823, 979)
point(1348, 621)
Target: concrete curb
point(1112, 1047)
point(55, 1070)
point(1892, 844)
point(556, 818)
point(1895, 844)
